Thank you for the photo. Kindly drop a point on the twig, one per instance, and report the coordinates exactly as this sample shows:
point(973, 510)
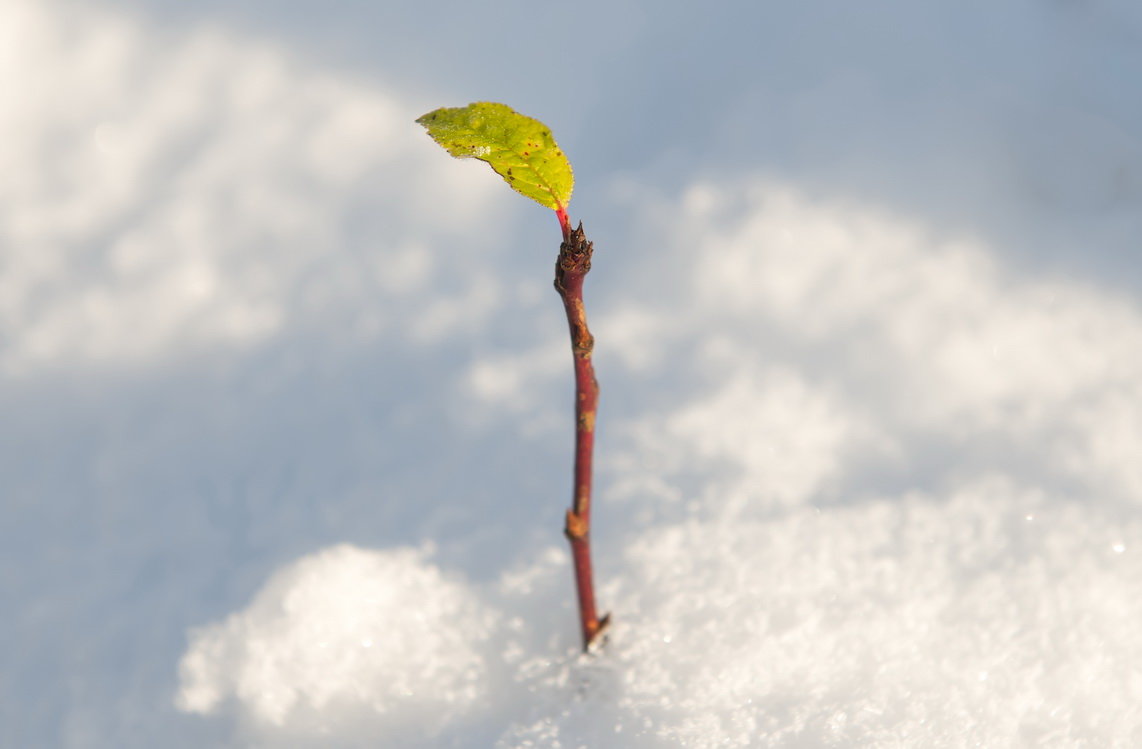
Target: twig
point(570, 270)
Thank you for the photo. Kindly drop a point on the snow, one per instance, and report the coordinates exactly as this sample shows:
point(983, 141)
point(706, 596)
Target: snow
point(286, 442)
point(345, 630)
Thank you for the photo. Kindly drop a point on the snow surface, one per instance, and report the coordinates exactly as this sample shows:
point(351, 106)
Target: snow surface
point(286, 392)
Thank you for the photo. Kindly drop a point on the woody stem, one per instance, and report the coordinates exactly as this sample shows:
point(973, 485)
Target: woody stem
point(570, 270)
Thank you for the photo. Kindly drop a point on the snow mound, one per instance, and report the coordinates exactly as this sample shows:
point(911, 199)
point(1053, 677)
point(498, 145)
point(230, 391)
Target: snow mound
point(341, 638)
point(978, 619)
point(993, 615)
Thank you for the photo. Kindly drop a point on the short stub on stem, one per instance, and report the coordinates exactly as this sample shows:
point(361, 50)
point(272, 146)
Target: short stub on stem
point(574, 261)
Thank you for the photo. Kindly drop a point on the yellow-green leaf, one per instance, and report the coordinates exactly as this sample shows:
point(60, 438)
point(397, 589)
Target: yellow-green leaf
point(519, 148)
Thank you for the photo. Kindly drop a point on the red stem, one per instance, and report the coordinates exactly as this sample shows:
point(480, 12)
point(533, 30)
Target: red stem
point(570, 270)
point(564, 222)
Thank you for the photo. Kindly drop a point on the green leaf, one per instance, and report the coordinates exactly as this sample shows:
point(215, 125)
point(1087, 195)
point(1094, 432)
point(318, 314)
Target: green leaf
point(519, 148)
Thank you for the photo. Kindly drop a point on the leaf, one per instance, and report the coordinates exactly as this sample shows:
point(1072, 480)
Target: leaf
point(519, 148)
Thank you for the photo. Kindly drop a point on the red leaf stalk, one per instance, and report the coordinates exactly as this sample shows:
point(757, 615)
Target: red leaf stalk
point(570, 270)
point(564, 222)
